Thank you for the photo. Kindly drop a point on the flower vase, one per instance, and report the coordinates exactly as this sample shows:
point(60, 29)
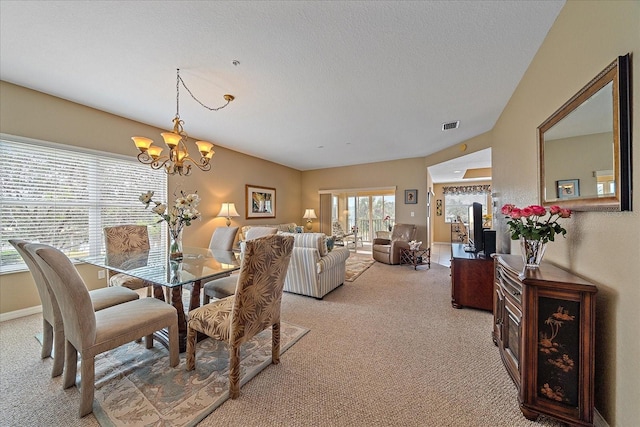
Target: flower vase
point(532, 252)
point(175, 245)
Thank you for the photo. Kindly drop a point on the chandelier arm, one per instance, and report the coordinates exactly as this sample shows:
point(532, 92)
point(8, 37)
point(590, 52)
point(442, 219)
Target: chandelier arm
point(228, 98)
point(203, 164)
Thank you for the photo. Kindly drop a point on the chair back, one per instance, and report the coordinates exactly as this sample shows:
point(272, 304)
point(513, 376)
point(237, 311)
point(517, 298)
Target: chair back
point(126, 238)
point(404, 232)
point(256, 232)
point(222, 238)
point(50, 309)
point(336, 229)
point(259, 290)
point(71, 294)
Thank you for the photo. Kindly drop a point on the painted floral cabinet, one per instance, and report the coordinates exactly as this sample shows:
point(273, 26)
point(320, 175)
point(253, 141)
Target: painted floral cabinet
point(544, 326)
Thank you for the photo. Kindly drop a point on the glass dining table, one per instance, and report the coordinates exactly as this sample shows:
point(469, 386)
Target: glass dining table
point(170, 277)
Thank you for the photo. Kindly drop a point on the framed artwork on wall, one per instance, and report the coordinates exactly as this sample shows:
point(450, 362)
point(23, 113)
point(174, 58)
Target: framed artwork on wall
point(261, 202)
point(410, 197)
point(568, 188)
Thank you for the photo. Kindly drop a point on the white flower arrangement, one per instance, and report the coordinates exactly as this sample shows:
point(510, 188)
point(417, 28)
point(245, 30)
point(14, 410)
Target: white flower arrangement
point(177, 216)
point(414, 246)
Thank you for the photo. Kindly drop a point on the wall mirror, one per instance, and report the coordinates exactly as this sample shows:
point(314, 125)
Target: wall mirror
point(585, 146)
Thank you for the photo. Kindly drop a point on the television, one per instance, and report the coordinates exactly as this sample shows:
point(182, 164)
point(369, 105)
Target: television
point(476, 240)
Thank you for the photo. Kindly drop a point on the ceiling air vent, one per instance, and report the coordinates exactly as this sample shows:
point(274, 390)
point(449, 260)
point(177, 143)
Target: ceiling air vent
point(450, 125)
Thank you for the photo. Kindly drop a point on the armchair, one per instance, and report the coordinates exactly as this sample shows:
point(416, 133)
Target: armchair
point(388, 250)
point(341, 238)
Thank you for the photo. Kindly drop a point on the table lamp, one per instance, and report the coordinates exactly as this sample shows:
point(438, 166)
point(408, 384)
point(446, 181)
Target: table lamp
point(309, 214)
point(228, 210)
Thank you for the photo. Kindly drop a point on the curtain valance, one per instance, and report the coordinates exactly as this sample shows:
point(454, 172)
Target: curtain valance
point(467, 189)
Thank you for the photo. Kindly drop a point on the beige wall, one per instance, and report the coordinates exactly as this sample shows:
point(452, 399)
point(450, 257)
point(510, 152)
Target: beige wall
point(32, 114)
point(602, 247)
point(405, 174)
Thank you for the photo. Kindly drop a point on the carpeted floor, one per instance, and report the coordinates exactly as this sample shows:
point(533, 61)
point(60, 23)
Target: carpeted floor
point(385, 350)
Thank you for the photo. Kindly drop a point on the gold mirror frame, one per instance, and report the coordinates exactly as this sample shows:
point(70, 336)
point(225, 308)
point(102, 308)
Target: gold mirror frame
point(618, 76)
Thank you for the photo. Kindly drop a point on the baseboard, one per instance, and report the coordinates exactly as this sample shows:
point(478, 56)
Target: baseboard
point(20, 313)
point(598, 419)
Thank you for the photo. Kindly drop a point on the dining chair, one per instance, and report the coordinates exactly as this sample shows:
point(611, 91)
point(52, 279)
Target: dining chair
point(52, 326)
point(90, 332)
point(254, 307)
point(226, 286)
point(125, 239)
point(223, 238)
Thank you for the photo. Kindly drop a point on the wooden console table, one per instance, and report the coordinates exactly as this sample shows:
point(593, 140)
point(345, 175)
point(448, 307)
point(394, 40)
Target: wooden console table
point(471, 279)
point(544, 327)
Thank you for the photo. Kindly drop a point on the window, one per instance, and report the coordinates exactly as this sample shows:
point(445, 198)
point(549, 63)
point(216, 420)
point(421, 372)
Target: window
point(64, 196)
point(458, 204)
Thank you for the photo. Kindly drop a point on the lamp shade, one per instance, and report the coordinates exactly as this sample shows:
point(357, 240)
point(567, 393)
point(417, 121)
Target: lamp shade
point(228, 210)
point(309, 214)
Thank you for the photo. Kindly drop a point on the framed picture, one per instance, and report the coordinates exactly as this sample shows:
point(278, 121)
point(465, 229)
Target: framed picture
point(410, 197)
point(261, 202)
point(568, 188)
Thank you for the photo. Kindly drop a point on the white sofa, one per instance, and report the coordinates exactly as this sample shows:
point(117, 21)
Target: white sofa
point(313, 270)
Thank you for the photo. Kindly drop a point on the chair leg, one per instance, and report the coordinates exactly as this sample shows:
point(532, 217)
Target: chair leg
point(71, 364)
point(191, 348)
point(234, 371)
point(87, 380)
point(148, 341)
point(174, 347)
point(58, 352)
point(47, 339)
point(275, 343)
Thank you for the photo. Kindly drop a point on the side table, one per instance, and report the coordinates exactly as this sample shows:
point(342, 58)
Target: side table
point(415, 257)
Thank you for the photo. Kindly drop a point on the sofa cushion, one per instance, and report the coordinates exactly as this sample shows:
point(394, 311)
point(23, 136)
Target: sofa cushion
point(289, 227)
point(310, 240)
point(256, 232)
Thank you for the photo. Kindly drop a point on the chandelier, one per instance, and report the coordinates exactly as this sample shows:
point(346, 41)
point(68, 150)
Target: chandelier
point(178, 160)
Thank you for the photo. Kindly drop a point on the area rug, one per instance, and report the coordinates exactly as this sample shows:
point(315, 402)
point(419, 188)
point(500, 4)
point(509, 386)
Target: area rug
point(135, 386)
point(356, 265)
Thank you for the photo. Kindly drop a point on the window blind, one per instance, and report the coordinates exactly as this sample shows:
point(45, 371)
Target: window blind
point(64, 197)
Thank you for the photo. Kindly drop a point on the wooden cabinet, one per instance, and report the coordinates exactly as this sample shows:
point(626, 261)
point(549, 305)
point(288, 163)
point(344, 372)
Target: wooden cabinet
point(544, 327)
point(471, 279)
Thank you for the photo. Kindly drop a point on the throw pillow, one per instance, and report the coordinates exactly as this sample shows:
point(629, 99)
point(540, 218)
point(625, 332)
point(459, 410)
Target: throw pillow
point(330, 243)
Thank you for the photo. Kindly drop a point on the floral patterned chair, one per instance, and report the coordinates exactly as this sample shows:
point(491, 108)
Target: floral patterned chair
point(126, 239)
point(254, 307)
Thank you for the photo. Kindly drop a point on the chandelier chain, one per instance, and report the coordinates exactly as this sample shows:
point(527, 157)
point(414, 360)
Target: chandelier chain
point(179, 80)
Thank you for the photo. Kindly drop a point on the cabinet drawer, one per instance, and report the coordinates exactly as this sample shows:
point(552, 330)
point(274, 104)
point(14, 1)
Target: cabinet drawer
point(509, 282)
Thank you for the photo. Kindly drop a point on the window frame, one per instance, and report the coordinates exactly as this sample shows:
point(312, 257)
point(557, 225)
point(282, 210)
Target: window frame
point(98, 210)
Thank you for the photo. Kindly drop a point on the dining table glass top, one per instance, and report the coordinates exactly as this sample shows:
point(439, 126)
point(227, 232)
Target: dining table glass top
point(154, 266)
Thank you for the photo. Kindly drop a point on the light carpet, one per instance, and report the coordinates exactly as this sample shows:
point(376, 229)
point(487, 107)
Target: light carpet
point(356, 265)
point(135, 386)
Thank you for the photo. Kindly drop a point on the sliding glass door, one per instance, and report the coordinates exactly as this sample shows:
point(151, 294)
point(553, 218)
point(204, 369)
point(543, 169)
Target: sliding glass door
point(370, 213)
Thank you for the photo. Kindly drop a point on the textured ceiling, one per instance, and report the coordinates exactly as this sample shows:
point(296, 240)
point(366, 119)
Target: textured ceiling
point(319, 84)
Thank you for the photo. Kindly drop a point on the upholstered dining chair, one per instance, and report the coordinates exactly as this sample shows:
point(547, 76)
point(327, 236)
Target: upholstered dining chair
point(223, 238)
point(388, 250)
point(92, 333)
point(124, 239)
point(254, 307)
point(52, 326)
point(226, 286)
